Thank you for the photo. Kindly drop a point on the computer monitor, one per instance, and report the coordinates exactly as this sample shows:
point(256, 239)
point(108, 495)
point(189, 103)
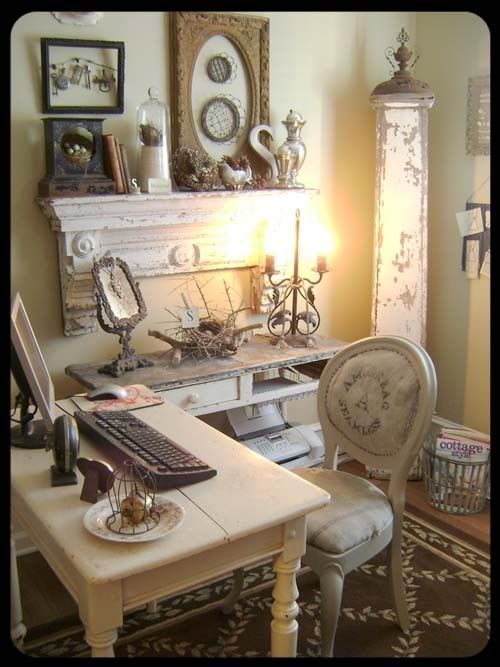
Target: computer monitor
point(33, 380)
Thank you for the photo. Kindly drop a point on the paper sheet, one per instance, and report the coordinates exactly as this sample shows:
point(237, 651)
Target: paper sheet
point(470, 221)
point(472, 258)
point(485, 266)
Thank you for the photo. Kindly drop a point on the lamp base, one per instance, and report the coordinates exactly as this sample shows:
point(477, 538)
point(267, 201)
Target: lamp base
point(294, 340)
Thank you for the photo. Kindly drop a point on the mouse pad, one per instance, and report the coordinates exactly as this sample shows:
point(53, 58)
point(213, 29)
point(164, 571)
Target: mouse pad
point(138, 396)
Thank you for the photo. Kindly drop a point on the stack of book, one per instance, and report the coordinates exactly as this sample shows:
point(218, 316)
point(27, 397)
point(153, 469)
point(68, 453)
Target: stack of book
point(116, 164)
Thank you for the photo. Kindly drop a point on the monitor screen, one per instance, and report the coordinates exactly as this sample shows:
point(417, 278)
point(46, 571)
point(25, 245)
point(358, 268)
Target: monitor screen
point(31, 362)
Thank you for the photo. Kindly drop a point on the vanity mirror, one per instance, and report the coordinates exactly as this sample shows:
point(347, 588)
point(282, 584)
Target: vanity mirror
point(120, 308)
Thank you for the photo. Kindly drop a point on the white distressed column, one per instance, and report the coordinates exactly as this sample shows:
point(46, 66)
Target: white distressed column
point(399, 304)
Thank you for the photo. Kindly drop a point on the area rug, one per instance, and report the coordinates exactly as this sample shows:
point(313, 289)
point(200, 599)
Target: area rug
point(448, 595)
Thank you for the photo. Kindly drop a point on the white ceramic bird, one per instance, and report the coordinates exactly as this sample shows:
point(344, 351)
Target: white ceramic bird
point(234, 179)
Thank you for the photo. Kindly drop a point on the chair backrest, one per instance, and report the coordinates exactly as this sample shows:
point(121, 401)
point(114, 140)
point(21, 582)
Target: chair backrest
point(376, 398)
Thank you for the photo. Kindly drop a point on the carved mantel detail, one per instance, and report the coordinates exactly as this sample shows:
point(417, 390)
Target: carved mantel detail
point(181, 232)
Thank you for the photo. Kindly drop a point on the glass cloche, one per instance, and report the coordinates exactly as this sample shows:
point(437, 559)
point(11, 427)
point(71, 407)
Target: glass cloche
point(153, 139)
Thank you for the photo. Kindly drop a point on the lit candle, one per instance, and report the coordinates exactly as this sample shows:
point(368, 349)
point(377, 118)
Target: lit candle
point(321, 265)
point(269, 264)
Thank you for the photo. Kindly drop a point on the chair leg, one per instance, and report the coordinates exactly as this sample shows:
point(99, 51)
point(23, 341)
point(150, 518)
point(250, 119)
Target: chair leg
point(397, 585)
point(230, 600)
point(331, 582)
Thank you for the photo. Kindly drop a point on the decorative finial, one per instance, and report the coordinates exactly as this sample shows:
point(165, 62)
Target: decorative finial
point(402, 56)
point(402, 82)
point(403, 37)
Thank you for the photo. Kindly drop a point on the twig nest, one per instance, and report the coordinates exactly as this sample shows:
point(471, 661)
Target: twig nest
point(195, 170)
point(77, 145)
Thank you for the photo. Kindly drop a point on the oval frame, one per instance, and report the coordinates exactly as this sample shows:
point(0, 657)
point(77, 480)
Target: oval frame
point(189, 32)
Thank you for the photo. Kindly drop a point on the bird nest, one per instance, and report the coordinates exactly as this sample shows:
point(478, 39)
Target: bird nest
point(195, 170)
point(214, 335)
point(78, 146)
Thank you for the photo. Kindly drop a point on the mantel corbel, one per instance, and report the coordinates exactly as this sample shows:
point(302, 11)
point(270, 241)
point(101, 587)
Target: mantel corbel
point(182, 232)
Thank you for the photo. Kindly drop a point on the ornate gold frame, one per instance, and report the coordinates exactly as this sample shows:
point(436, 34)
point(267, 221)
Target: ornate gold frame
point(189, 32)
point(478, 116)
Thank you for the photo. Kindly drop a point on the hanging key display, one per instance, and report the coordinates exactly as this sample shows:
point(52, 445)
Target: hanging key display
point(81, 72)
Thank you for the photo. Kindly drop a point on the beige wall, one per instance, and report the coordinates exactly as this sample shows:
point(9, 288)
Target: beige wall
point(323, 64)
point(455, 46)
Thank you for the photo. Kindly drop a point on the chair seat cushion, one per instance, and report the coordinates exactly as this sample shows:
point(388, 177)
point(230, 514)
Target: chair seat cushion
point(358, 510)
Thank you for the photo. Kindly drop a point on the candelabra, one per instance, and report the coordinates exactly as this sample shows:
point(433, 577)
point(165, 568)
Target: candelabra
point(294, 327)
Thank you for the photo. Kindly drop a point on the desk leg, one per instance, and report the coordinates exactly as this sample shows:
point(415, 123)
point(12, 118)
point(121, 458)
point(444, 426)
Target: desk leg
point(101, 612)
point(17, 627)
point(101, 643)
point(284, 627)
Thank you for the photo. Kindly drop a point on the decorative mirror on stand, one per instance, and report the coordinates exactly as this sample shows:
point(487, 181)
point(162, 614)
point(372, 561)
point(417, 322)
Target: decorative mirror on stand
point(120, 308)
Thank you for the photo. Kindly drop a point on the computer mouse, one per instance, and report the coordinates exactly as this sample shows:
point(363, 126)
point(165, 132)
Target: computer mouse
point(105, 391)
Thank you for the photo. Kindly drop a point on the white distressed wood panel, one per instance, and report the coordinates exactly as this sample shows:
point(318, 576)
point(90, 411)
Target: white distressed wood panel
point(181, 232)
point(399, 302)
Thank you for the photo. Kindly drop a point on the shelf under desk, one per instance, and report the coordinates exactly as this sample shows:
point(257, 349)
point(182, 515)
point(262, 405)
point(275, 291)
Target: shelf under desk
point(212, 385)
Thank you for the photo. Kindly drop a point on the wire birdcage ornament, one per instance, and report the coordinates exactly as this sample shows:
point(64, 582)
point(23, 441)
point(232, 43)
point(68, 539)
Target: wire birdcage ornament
point(132, 499)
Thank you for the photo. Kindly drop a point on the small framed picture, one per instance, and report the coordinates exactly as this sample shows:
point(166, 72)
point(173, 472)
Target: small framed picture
point(82, 76)
point(478, 116)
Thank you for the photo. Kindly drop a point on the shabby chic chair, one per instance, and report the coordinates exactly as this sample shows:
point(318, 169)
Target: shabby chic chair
point(376, 398)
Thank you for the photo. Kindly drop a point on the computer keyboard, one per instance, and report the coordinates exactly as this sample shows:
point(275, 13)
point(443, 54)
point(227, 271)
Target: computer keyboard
point(125, 436)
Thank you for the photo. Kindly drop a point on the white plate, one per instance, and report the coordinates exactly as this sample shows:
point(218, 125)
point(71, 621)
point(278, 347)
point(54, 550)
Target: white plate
point(171, 517)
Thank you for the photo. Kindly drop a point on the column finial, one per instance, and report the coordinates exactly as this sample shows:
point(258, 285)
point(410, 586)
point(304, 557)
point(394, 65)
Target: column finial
point(402, 61)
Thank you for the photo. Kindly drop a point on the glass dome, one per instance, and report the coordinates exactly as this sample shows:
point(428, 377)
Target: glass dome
point(153, 139)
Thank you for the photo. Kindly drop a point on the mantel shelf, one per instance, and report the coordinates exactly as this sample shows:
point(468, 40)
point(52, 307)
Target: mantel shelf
point(145, 210)
point(180, 232)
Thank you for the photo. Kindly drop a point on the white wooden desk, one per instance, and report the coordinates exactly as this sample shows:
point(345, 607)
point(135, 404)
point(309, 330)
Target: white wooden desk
point(212, 385)
point(252, 509)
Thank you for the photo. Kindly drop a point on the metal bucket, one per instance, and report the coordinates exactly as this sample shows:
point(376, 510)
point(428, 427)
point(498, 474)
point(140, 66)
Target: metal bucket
point(453, 486)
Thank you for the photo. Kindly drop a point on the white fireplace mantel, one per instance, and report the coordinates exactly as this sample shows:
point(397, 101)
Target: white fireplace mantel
point(180, 232)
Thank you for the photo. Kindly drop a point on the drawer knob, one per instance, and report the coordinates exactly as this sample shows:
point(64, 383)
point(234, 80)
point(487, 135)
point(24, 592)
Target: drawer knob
point(194, 397)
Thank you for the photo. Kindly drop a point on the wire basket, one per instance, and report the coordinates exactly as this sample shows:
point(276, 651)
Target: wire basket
point(453, 486)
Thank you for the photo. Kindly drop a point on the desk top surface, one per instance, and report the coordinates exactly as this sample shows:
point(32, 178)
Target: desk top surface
point(257, 355)
point(248, 495)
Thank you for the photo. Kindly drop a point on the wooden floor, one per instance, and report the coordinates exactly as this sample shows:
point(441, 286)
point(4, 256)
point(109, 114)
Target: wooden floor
point(45, 600)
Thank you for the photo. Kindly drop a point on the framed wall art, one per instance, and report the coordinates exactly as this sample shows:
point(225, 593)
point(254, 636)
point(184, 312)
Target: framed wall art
point(220, 81)
point(478, 116)
point(82, 76)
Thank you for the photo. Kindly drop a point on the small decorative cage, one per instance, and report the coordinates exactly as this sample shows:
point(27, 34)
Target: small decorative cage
point(132, 499)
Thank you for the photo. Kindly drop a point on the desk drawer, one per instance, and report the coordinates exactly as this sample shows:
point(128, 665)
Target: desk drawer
point(198, 396)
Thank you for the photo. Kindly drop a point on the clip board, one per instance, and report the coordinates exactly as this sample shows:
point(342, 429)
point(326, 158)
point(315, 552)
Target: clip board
point(476, 247)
